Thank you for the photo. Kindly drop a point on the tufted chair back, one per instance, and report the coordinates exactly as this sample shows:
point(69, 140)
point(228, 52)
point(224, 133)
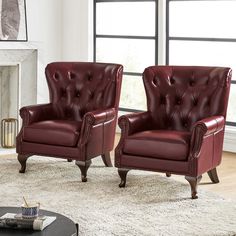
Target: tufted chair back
point(178, 96)
point(76, 88)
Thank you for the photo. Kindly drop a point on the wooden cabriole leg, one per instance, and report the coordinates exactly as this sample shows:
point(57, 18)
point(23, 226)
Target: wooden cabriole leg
point(69, 160)
point(193, 181)
point(22, 159)
point(168, 174)
point(83, 165)
point(213, 176)
point(107, 159)
point(122, 173)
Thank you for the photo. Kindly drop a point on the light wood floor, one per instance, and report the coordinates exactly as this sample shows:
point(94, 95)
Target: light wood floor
point(226, 173)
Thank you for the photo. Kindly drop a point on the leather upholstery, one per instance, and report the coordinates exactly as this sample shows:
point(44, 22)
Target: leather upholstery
point(53, 132)
point(162, 144)
point(80, 120)
point(75, 92)
point(182, 130)
point(178, 97)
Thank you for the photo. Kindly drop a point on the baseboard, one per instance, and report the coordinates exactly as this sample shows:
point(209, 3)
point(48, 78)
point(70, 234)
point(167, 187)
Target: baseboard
point(230, 139)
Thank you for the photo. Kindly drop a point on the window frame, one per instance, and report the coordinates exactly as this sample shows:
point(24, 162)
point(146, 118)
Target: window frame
point(155, 37)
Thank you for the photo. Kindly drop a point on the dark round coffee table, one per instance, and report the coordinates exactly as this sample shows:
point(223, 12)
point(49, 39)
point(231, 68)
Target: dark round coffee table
point(62, 226)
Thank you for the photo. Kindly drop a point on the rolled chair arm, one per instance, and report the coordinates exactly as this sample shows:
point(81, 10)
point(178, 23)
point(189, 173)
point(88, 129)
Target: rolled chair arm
point(93, 118)
point(135, 122)
point(204, 128)
point(100, 116)
point(130, 124)
point(35, 113)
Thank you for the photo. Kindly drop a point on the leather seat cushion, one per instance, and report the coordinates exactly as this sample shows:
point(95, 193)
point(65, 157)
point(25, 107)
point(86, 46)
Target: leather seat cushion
point(161, 144)
point(53, 132)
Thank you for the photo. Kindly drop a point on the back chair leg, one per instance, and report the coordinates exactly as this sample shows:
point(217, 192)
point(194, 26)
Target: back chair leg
point(22, 159)
point(213, 176)
point(107, 159)
point(123, 174)
point(193, 181)
point(83, 165)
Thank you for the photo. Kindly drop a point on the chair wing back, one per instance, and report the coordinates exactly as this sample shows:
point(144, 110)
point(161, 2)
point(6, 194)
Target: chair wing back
point(178, 96)
point(78, 87)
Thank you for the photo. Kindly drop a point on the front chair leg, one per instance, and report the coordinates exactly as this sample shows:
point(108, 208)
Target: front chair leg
point(193, 181)
point(83, 165)
point(122, 173)
point(107, 159)
point(69, 160)
point(22, 159)
point(168, 174)
point(213, 176)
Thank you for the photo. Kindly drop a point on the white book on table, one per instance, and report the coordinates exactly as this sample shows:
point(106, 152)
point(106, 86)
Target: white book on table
point(11, 220)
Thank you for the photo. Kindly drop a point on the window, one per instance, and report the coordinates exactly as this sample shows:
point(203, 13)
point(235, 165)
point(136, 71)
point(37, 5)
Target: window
point(200, 33)
point(125, 32)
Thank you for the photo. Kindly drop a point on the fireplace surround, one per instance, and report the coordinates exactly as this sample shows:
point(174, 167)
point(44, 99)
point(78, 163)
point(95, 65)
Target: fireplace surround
point(18, 81)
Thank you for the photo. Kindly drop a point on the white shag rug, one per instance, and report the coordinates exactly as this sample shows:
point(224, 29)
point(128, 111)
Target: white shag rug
point(150, 205)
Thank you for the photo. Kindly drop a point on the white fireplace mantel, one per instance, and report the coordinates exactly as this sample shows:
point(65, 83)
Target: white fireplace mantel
point(22, 62)
point(26, 60)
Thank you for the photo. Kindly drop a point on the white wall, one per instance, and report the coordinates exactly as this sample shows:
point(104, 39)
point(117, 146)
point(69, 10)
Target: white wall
point(44, 23)
point(77, 32)
point(45, 27)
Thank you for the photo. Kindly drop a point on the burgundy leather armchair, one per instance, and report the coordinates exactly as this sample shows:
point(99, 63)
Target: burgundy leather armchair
point(182, 130)
point(79, 122)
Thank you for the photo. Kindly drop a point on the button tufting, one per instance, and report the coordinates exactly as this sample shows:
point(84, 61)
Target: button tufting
point(162, 100)
point(178, 102)
point(172, 81)
point(56, 76)
point(192, 83)
point(195, 102)
point(89, 77)
point(154, 81)
point(63, 93)
point(71, 75)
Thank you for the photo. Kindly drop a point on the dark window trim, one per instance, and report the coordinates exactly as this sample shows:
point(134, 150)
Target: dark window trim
point(230, 123)
point(129, 110)
point(227, 40)
point(132, 73)
point(124, 36)
point(169, 38)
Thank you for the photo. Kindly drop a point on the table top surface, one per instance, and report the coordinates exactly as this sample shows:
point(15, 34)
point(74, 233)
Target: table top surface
point(62, 226)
